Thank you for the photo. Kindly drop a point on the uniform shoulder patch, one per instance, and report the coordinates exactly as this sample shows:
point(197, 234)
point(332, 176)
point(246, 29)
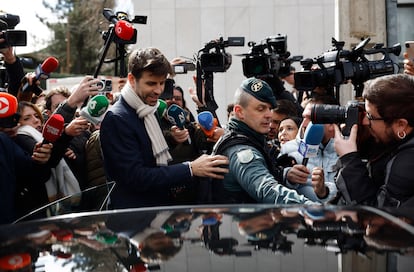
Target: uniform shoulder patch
point(245, 156)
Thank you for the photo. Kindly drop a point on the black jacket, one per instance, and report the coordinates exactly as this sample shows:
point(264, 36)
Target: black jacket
point(384, 182)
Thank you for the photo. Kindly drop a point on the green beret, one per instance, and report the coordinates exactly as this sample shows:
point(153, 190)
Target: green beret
point(259, 89)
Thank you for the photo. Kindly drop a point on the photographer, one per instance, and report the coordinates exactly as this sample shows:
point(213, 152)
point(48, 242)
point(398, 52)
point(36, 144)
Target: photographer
point(387, 180)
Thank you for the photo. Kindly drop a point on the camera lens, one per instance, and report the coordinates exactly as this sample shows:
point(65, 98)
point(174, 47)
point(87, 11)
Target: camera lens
point(328, 114)
point(100, 85)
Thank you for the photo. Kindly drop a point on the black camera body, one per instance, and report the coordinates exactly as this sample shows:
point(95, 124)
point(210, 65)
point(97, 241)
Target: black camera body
point(183, 68)
point(215, 62)
point(12, 37)
point(337, 66)
point(334, 114)
point(268, 58)
point(214, 58)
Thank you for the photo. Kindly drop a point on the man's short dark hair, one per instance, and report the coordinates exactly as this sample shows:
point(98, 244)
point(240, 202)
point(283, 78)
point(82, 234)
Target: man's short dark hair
point(286, 107)
point(149, 59)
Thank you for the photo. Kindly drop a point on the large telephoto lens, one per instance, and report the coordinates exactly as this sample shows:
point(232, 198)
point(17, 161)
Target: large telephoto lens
point(328, 114)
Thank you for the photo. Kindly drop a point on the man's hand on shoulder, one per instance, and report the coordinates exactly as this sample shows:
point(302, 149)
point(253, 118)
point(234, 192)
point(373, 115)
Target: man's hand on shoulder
point(213, 166)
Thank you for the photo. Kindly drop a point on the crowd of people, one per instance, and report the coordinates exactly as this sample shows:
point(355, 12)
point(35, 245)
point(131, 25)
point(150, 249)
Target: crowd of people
point(251, 158)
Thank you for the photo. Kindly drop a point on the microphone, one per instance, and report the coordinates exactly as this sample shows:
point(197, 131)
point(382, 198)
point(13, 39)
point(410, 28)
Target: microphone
point(207, 123)
point(8, 105)
point(95, 109)
point(42, 71)
point(8, 110)
point(176, 115)
point(309, 146)
point(124, 30)
point(53, 128)
point(162, 108)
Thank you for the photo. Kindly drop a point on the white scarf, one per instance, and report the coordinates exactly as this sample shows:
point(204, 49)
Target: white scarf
point(62, 181)
point(158, 143)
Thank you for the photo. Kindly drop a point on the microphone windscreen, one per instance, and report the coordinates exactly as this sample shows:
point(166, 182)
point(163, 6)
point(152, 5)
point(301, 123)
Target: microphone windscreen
point(49, 65)
point(8, 105)
point(53, 128)
point(162, 108)
point(176, 115)
point(206, 120)
point(291, 148)
point(97, 105)
point(313, 134)
point(93, 120)
point(124, 30)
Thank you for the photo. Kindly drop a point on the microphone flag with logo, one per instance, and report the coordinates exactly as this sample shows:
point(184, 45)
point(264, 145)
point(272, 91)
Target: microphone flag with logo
point(53, 128)
point(207, 123)
point(8, 110)
point(176, 115)
point(309, 146)
point(95, 109)
point(42, 71)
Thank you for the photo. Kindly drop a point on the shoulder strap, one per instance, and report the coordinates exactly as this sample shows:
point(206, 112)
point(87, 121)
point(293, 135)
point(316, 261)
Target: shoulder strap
point(383, 197)
point(230, 139)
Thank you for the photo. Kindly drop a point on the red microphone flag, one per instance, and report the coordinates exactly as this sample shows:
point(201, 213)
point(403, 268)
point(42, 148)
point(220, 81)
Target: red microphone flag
point(53, 128)
point(8, 105)
point(124, 30)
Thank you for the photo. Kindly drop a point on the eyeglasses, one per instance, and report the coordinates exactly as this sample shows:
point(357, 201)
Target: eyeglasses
point(370, 118)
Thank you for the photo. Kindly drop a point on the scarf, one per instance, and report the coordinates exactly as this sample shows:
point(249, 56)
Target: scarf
point(62, 181)
point(158, 143)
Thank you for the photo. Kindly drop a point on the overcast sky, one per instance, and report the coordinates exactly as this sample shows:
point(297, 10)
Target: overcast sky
point(37, 33)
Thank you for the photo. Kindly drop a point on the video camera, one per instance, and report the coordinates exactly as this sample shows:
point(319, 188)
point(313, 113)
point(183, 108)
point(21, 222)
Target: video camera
point(122, 16)
point(214, 58)
point(337, 66)
point(183, 68)
point(11, 37)
point(268, 58)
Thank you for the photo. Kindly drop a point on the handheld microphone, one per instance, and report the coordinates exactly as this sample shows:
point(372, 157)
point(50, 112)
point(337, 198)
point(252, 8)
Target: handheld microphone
point(42, 71)
point(162, 108)
point(8, 105)
point(309, 146)
point(53, 128)
point(8, 110)
point(176, 115)
point(207, 123)
point(95, 109)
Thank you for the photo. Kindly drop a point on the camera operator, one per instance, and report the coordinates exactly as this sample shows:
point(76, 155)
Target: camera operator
point(387, 180)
